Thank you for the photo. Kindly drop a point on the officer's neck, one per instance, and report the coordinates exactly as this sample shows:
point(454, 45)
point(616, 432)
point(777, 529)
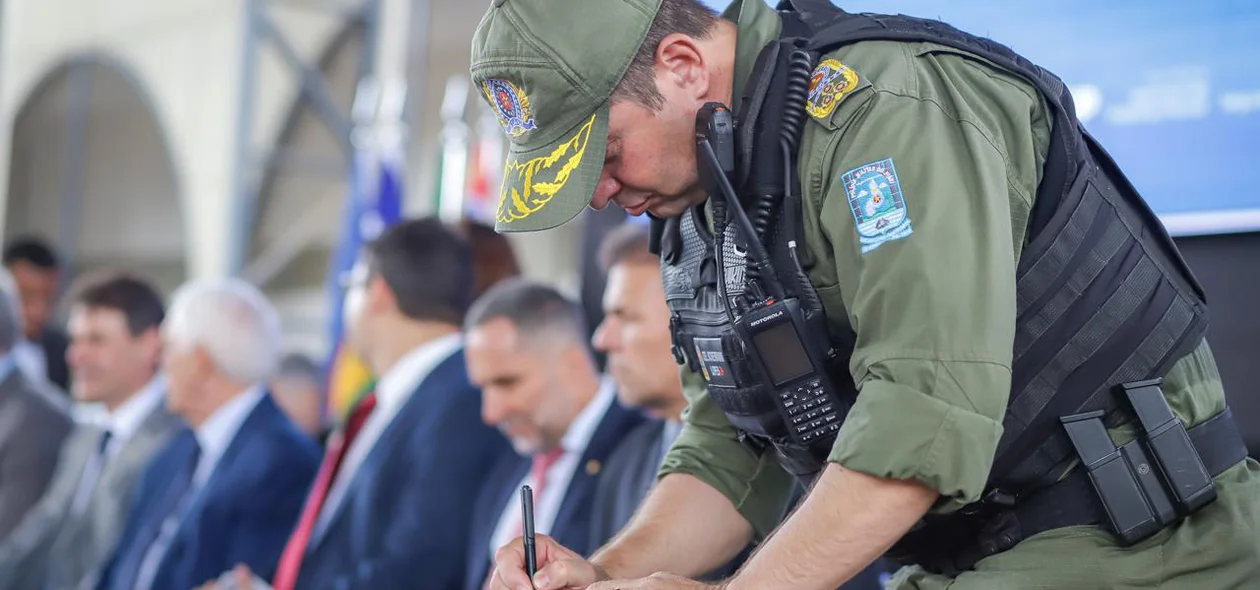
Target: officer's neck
point(720, 46)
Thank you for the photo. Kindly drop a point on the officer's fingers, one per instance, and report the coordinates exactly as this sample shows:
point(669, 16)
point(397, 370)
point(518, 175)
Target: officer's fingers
point(496, 581)
point(547, 550)
point(244, 577)
point(566, 574)
point(509, 567)
point(617, 585)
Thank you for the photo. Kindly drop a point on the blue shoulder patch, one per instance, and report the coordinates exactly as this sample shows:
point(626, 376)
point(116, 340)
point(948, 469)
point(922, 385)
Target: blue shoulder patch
point(875, 200)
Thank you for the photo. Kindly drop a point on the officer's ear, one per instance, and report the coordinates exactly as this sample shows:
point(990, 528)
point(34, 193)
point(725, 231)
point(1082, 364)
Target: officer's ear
point(681, 64)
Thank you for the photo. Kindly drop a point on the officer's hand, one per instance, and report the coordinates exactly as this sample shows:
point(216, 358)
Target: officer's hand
point(558, 567)
point(657, 581)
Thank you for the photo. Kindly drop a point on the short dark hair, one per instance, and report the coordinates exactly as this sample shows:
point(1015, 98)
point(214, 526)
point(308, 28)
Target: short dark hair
point(627, 242)
point(32, 250)
point(532, 307)
point(300, 365)
point(131, 294)
point(492, 254)
point(689, 17)
point(427, 266)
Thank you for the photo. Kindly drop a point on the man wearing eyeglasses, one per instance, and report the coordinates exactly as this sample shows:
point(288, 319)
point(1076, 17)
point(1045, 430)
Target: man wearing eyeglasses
point(392, 505)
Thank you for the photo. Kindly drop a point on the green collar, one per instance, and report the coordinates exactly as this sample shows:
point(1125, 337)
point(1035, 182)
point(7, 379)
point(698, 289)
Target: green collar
point(757, 26)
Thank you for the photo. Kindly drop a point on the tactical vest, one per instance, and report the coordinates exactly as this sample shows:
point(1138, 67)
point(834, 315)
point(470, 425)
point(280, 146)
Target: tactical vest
point(1103, 296)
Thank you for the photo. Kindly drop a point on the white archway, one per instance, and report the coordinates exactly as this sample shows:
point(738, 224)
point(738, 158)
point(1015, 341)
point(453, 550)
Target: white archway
point(91, 171)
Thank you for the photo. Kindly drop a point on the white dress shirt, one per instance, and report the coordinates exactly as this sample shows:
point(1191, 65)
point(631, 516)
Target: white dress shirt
point(213, 437)
point(547, 505)
point(121, 424)
point(217, 432)
point(393, 390)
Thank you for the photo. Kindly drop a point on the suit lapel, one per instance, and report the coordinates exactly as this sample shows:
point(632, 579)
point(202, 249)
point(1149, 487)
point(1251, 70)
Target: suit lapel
point(616, 422)
point(400, 426)
point(252, 429)
point(74, 460)
point(113, 493)
point(153, 434)
point(497, 492)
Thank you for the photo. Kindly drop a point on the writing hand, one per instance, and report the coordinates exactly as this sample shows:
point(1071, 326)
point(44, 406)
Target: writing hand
point(558, 567)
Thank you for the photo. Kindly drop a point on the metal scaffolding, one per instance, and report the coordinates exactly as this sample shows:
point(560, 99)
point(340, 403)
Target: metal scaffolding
point(252, 164)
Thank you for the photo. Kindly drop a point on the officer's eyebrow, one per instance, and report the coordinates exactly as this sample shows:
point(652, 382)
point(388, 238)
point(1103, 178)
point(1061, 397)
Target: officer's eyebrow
point(613, 148)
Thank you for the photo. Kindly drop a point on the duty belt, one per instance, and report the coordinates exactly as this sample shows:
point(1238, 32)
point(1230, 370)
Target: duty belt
point(1000, 521)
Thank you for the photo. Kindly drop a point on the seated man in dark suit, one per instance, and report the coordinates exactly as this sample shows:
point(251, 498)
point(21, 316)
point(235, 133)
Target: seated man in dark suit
point(527, 351)
point(393, 503)
point(32, 427)
point(41, 352)
point(229, 490)
point(635, 337)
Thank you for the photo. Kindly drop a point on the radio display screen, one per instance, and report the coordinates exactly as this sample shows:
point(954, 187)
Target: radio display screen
point(781, 352)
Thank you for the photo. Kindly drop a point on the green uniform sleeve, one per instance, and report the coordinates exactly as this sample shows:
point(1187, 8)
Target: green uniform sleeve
point(708, 449)
point(916, 208)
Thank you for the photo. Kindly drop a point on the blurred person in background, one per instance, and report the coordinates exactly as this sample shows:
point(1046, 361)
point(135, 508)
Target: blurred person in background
point(229, 489)
point(32, 428)
point(528, 351)
point(42, 350)
point(297, 389)
point(635, 336)
point(492, 254)
point(115, 348)
point(393, 502)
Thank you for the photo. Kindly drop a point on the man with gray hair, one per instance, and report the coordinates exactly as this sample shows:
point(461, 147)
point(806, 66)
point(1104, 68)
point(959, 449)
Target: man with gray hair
point(228, 490)
point(32, 427)
point(527, 350)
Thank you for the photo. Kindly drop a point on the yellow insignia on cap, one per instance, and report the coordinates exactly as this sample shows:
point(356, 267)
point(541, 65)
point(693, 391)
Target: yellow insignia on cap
point(539, 189)
point(829, 83)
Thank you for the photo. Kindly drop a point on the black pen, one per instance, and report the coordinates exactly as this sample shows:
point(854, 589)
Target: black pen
point(527, 510)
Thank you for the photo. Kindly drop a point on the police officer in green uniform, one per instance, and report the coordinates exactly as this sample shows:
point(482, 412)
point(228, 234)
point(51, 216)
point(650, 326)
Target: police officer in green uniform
point(996, 277)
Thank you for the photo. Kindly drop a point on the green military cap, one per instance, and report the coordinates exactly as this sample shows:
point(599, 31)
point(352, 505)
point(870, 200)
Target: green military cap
point(547, 69)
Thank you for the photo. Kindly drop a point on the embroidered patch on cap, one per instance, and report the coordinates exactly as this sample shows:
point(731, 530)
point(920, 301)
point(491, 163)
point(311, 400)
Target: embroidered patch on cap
point(829, 83)
point(875, 200)
point(510, 105)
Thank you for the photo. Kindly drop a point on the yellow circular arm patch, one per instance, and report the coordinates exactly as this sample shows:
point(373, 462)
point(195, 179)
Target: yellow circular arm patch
point(827, 86)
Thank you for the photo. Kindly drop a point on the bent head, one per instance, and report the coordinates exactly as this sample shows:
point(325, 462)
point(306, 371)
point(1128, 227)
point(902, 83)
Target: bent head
point(525, 350)
point(634, 99)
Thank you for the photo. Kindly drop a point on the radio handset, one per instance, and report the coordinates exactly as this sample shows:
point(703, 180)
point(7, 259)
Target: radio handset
point(773, 331)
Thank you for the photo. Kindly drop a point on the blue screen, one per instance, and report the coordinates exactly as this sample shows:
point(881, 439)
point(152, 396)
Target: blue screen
point(1171, 88)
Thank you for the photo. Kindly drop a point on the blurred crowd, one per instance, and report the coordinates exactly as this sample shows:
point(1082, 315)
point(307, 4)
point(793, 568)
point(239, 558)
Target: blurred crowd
point(170, 445)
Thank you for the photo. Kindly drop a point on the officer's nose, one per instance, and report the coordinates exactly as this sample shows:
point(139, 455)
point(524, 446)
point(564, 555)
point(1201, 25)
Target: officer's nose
point(604, 191)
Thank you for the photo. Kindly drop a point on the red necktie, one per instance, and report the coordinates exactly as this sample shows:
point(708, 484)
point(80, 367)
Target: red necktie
point(538, 474)
point(338, 444)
